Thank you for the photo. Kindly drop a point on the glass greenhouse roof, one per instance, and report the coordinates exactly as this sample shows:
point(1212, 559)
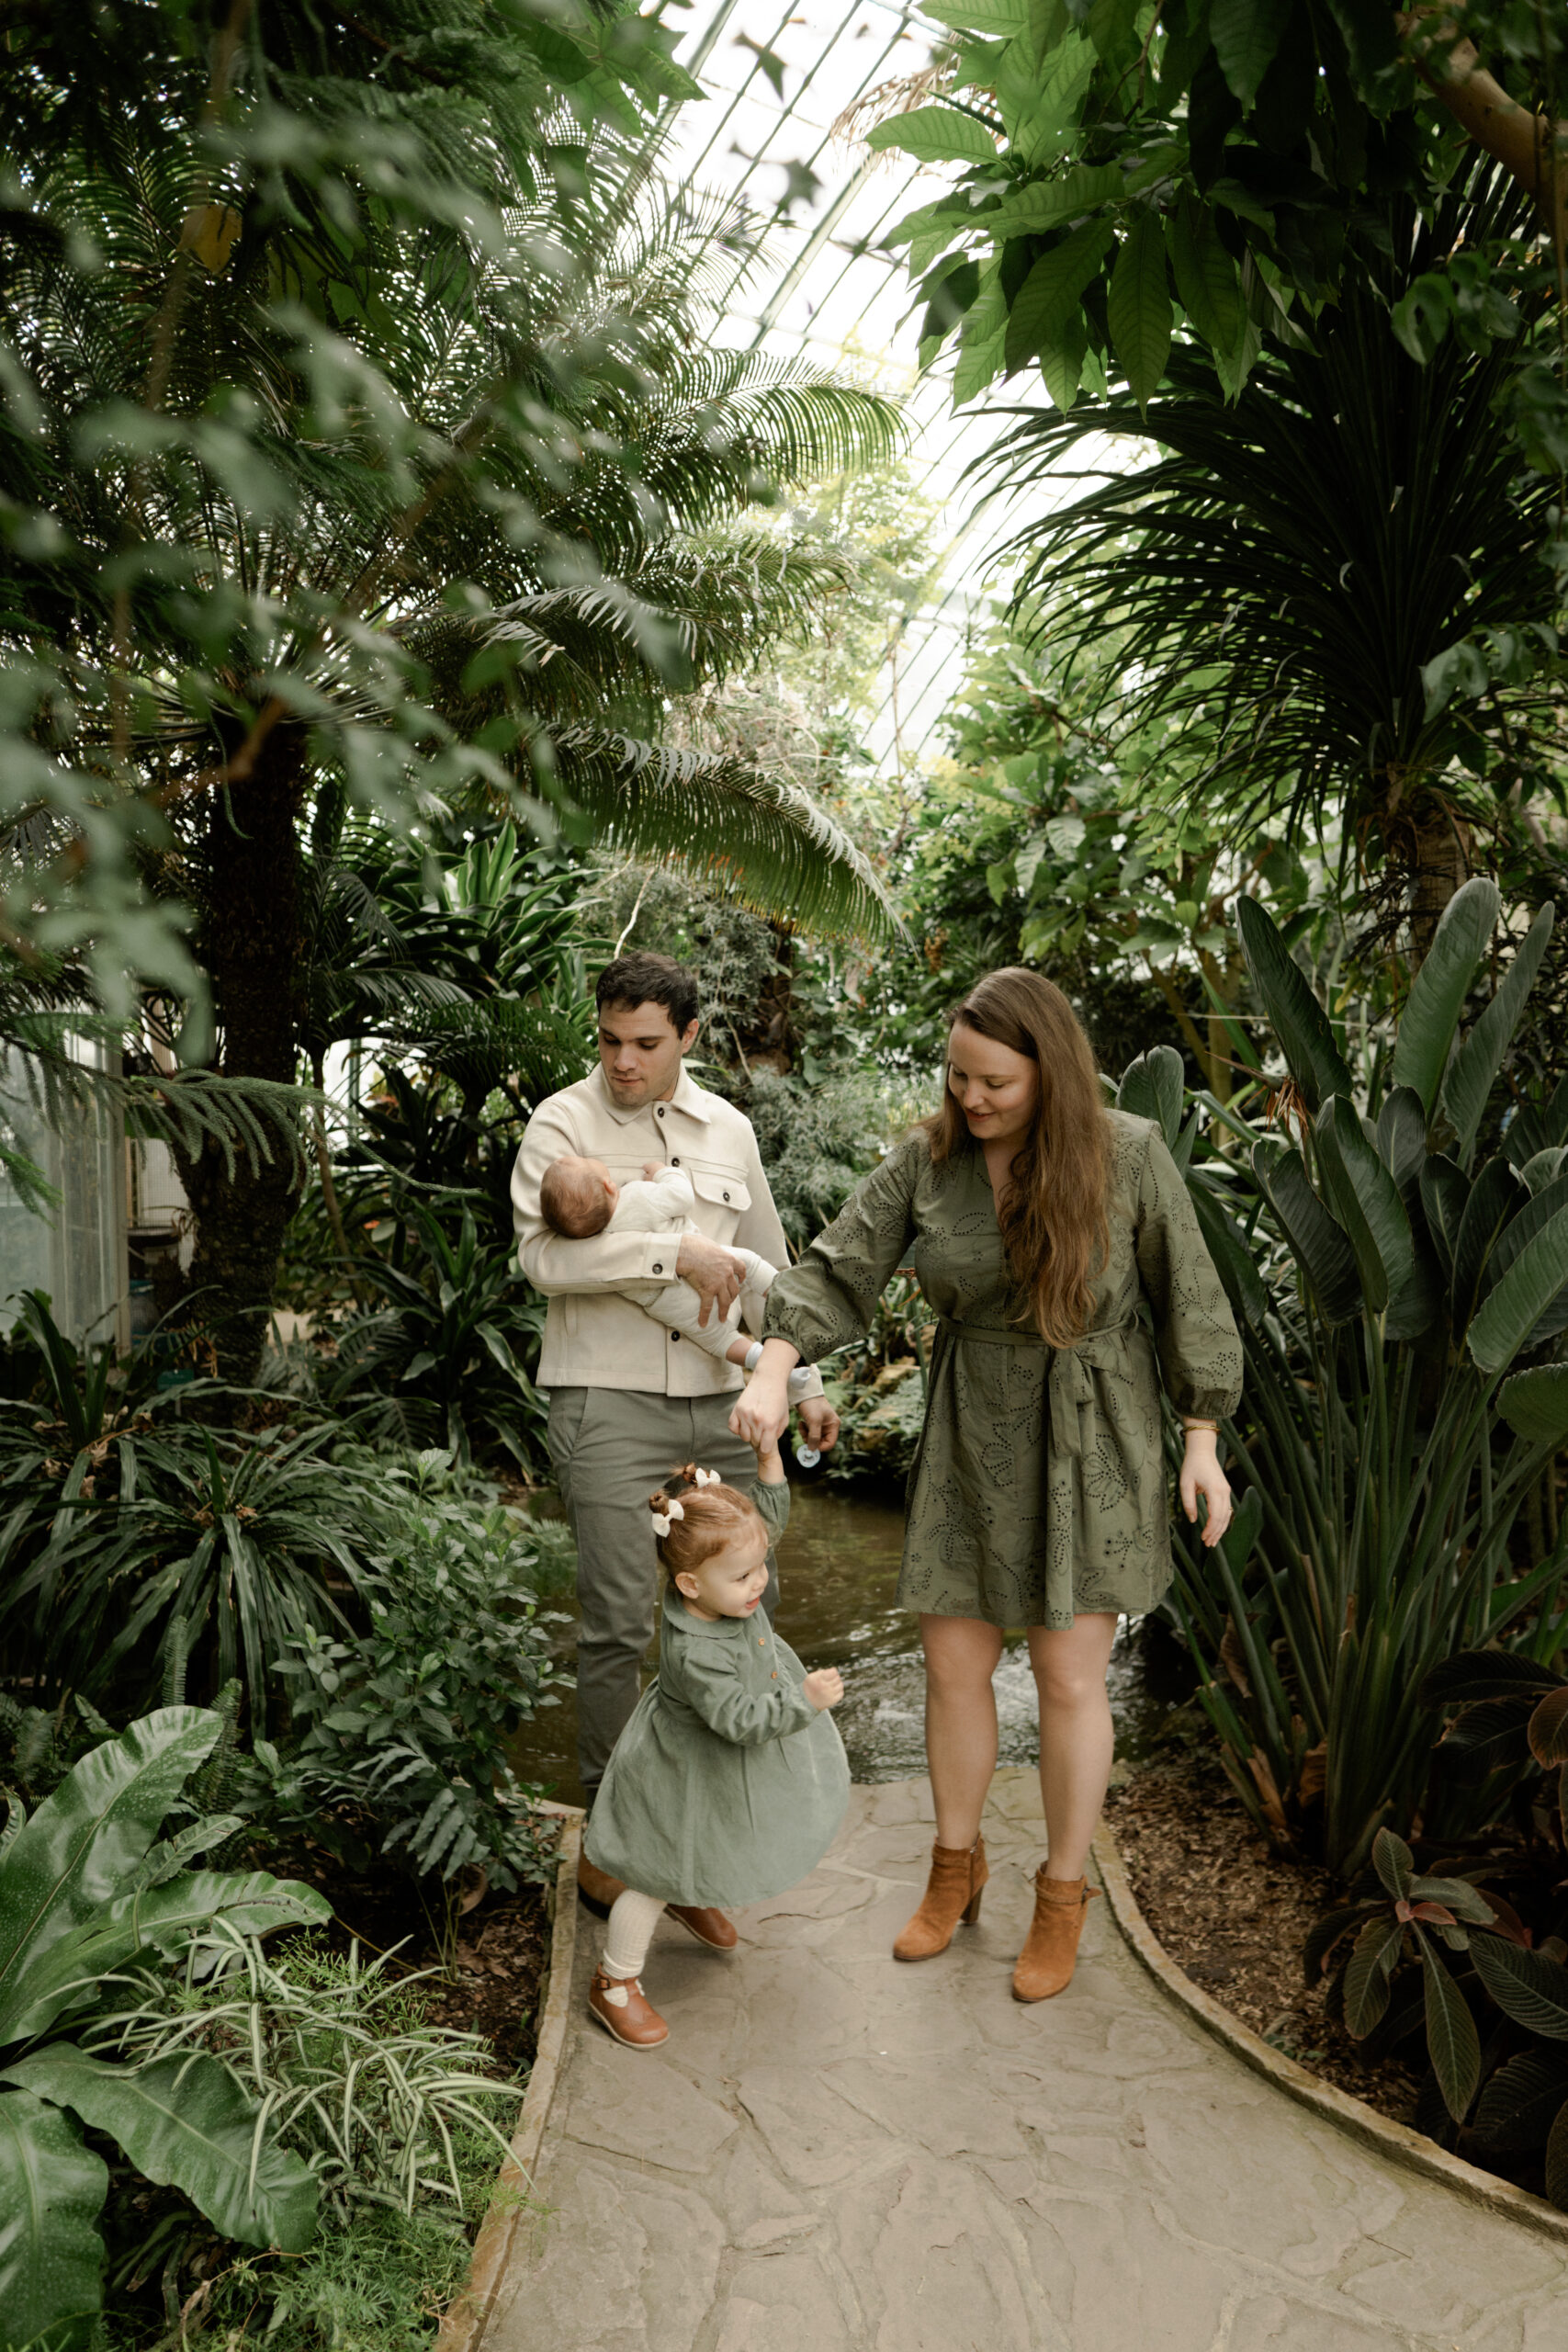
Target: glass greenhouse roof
point(827, 293)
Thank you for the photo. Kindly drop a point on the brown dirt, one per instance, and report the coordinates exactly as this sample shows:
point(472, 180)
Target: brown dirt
point(1234, 1913)
point(503, 1945)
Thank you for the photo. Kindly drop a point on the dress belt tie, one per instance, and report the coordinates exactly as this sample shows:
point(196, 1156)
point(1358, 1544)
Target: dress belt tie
point(1071, 1387)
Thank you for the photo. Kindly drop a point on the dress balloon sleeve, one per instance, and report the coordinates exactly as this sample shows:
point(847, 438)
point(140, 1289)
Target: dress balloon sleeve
point(829, 1298)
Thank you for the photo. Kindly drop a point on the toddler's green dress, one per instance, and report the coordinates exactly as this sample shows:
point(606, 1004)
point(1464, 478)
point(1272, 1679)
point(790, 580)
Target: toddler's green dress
point(1040, 1489)
point(727, 1785)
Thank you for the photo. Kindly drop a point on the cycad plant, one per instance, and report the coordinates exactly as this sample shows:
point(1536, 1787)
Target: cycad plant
point(1403, 1400)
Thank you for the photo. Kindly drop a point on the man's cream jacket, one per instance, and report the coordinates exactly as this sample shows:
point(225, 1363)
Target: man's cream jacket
point(594, 1338)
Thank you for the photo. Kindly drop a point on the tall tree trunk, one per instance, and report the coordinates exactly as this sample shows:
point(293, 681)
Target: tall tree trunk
point(250, 944)
point(1441, 863)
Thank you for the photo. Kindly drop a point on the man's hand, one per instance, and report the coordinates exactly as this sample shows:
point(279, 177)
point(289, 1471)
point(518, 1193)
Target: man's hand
point(819, 1424)
point(712, 1270)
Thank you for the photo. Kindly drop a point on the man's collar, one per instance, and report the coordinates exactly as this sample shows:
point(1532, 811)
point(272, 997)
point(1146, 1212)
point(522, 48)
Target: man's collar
point(690, 1098)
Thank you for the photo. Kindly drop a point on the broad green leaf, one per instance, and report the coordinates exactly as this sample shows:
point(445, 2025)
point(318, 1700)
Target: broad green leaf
point(163, 1916)
point(1393, 1862)
point(1529, 1219)
point(1521, 2102)
point(1321, 1248)
point(1548, 1730)
point(983, 332)
point(1402, 1140)
point(52, 2258)
point(1233, 1262)
point(82, 1846)
point(1206, 276)
point(1466, 1902)
point(1154, 1087)
point(186, 2124)
point(1046, 204)
point(1366, 1975)
point(937, 135)
point(1485, 1674)
point(1139, 309)
point(1041, 105)
point(998, 19)
point(1494, 1198)
point(1246, 34)
point(1366, 1204)
point(1511, 1311)
point(1299, 1021)
point(1452, 2044)
point(1526, 1986)
point(1050, 294)
point(1062, 361)
point(1445, 1194)
point(1441, 987)
point(1480, 1057)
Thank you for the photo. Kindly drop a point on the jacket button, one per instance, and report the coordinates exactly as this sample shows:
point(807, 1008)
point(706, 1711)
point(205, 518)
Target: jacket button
point(674, 1335)
point(775, 1674)
point(661, 1111)
point(675, 1162)
point(658, 1269)
point(726, 1196)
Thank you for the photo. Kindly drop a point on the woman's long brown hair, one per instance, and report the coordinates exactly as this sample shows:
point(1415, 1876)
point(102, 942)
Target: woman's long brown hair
point(1054, 1220)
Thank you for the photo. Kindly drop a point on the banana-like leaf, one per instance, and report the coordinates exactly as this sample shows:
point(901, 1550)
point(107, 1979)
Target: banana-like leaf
point(1547, 1729)
point(1154, 1087)
point(1233, 1262)
point(1318, 1244)
point(1438, 994)
point(1504, 1323)
point(1521, 1229)
point(80, 1848)
point(161, 1917)
point(52, 2258)
point(1496, 1196)
point(1480, 1057)
point(1366, 1204)
point(1402, 1141)
point(186, 2124)
point(1452, 2044)
point(1299, 1021)
point(1521, 2102)
point(1526, 1986)
point(1445, 1194)
point(1486, 1674)
point(1545, 1168)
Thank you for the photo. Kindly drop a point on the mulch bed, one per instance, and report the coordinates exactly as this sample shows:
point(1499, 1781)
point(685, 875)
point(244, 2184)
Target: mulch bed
point(1234, 1913)
point(503, 1946)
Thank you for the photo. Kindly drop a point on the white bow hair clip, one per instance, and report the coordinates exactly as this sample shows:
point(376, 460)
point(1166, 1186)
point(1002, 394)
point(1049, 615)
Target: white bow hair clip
point(706, 1479)
point(661, 1519)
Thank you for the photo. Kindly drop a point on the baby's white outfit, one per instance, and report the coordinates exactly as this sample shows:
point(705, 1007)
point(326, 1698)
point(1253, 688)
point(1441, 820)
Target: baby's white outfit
point(664, 1204)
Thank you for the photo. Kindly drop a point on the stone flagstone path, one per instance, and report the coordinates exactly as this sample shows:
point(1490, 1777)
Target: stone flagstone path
point(836, 2154)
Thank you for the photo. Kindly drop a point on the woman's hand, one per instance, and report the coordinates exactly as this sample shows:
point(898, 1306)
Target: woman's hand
point(1202, 1475)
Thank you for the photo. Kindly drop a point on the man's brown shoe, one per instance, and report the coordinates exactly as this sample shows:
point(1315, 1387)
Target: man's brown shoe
point(1051, 1947)
point(596, 1890)
point(952, 1893)
point(709, 1927)
point(624, 2010)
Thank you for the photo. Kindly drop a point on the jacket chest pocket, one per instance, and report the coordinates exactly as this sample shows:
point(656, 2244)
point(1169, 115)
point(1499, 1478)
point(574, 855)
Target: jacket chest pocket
point(722, 1190)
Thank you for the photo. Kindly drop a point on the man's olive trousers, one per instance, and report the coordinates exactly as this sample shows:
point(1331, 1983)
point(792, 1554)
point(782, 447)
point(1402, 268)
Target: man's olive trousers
point(611, 1449)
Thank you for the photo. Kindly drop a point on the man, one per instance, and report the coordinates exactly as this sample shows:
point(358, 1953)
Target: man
point(628, 1400)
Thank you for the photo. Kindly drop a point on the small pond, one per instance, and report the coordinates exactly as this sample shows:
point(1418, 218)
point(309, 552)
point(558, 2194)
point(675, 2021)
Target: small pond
point(838, 1568)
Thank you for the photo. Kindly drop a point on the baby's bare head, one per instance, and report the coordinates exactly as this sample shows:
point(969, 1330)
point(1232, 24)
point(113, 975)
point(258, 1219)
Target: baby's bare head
point(577, 1198)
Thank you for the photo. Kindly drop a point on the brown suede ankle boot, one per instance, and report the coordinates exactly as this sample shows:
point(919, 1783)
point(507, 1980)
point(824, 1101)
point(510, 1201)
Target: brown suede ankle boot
point(952, 1893)
point(1051, 1947)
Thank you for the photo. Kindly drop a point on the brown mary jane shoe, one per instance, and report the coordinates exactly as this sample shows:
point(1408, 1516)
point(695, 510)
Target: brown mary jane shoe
point(709, 1927)
point(634, 2021)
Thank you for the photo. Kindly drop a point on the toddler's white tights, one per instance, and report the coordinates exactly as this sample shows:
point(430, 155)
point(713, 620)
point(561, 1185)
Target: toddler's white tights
point(633, 1918)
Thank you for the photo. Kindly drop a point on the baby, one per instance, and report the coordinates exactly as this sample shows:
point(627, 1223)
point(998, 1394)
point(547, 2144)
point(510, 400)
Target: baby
point(579, 1198)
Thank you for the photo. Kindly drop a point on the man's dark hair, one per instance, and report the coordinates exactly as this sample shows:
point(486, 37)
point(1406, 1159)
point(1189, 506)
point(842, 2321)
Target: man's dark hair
point(632, 980)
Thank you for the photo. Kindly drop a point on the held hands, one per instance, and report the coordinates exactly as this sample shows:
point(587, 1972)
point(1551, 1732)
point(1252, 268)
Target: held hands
point(1202, 1475)
point(824, 1687)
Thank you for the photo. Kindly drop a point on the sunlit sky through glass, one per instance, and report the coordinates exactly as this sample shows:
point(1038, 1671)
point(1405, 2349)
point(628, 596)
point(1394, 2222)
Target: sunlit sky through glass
point(827, 291)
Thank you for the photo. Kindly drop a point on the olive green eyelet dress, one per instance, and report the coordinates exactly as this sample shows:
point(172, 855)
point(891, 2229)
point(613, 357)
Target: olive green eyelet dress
point(1040, 1489)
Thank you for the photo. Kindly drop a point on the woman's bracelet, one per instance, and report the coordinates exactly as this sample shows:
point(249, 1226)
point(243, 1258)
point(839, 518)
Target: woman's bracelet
point(1212, 1427)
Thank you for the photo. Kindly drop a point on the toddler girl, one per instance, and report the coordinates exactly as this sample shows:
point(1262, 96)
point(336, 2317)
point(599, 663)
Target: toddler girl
point(729, 1782)
point(579, 1198)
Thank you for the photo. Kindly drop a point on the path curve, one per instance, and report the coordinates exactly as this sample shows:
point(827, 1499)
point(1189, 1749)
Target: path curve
point(835, 2154)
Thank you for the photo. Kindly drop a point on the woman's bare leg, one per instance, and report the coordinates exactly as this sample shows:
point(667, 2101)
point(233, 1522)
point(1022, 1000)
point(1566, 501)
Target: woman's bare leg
point(962, 1654)
point(1076, 1736)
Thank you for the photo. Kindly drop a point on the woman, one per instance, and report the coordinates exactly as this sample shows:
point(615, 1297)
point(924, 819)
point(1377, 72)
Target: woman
point(1038, 1221)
